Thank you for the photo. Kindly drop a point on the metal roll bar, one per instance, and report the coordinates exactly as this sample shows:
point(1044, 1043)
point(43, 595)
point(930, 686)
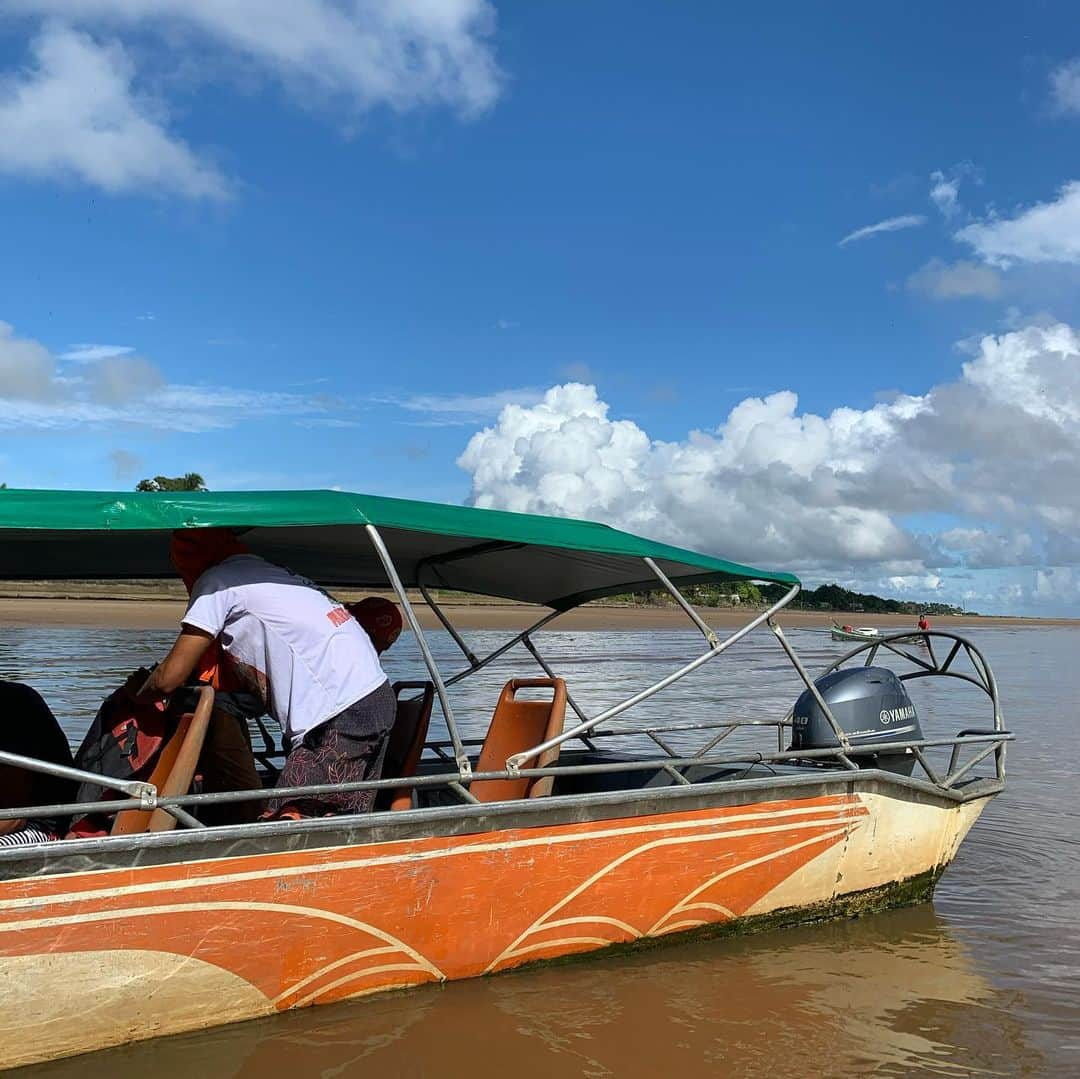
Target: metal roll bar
point(514, 763)
point(674, 765)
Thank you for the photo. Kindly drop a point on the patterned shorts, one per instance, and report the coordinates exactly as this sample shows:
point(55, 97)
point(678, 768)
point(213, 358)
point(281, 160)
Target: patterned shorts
point(346, 749)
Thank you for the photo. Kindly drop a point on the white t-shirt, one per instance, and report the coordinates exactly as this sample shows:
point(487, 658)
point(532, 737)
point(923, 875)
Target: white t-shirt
point(300, 650)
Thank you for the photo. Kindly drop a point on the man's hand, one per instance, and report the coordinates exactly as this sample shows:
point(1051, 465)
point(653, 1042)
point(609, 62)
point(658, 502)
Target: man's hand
point(171, 673)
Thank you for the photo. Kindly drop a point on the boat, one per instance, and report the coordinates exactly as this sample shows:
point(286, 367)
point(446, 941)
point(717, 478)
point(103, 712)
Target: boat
point(851, 633)
point(562, 832)
point(872, 633)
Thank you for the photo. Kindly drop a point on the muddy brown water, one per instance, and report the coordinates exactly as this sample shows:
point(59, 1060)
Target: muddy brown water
point(983, 981)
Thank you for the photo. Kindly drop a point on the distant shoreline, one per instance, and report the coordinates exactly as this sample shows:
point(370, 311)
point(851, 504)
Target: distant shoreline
point(136, 612)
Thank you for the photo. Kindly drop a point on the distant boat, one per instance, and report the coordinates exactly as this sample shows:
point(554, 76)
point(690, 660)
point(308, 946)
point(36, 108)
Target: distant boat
point(850, 633)
point(872, 633)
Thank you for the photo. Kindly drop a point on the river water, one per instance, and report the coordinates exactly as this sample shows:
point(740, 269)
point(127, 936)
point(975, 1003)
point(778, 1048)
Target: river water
point(983, 981)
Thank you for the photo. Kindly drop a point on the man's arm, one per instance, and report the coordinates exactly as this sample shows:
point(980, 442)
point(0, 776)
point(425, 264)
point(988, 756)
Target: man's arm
point(171, 673)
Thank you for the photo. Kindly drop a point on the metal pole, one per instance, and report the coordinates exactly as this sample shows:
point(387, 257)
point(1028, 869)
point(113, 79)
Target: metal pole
point(841, 737)
point(710, 634)
point(447, 624)
point(515, 762)
point(545, 667)
point(503, 648)
point(990, 741)
point(145, 792)
point(464, 767)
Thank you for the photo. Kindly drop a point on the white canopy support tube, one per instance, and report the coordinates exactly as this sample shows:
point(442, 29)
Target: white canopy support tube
point(546, 668)
point(462, 758)
point(503, 648)
point(448, 625)
point(841, 737)
point(515, 762)
point(145, 792)
point(680, 599)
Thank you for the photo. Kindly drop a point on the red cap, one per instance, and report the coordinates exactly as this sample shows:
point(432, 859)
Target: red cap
point(379, 618)
point(194, 550)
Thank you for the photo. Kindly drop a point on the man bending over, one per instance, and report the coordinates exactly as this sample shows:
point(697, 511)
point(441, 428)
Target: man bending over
point(301, 652)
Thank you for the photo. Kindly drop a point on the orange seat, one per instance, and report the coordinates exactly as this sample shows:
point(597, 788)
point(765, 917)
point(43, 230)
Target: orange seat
point(517, 726)
point(174, 771)
point(406, 744)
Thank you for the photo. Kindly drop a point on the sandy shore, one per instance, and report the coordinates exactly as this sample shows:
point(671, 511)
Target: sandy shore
point(166, 614)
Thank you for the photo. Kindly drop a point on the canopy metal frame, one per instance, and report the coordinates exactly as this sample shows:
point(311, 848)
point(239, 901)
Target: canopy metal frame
point(985, 742)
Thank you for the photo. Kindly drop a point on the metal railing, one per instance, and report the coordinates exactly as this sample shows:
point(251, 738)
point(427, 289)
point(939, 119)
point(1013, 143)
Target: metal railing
point(681, 769)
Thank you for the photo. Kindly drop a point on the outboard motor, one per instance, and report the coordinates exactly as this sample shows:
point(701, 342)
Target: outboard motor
point(871, 706)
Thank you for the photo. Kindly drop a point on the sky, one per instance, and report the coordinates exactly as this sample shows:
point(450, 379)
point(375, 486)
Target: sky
point(798, 286)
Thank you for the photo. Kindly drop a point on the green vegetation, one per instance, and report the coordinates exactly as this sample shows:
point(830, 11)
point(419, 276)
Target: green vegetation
point(192, 481)
point(829, 597)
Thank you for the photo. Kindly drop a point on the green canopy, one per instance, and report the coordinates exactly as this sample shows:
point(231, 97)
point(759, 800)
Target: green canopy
point(554, 561)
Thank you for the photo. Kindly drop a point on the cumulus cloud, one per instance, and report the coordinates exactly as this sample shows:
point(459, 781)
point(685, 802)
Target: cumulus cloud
point(1045, 232)
point(995, 451)
point(983, 548)
point(1065, 87)
point(74, 113)
point(959, 280)
point(400, 53)
point(890, 224)
point(82, 108)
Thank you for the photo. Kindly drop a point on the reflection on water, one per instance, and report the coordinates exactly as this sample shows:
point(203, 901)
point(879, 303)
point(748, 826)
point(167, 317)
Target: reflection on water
point(984, 982)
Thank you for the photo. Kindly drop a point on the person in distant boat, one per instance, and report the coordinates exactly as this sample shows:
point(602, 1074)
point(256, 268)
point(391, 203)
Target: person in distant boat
point(924, 623)
point(379, 618)
point(307, 659)
point(28, 727)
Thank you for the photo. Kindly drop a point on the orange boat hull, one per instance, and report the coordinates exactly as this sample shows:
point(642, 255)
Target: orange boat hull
point(92, 959)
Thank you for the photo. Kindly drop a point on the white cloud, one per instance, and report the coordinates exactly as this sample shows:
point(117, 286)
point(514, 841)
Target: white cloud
point(118, 379)
point(27, 370)
point(983, 548)
point(944, 193)
point(996, 452)
point(1055, 586)
point(400, 53)
point(890, 224)
point(1065, 86)
point(964, 279)
point(82, 109)
point(123, 390)
point(1046, 232)
point(76, 114)
point(88, 353)
point(928, 582)
point(461, 408)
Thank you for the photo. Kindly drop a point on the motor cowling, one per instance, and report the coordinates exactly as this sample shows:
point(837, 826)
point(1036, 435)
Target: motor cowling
point(871, 706)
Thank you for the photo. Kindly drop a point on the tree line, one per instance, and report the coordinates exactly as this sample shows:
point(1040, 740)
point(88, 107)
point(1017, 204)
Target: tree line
point(827, 597)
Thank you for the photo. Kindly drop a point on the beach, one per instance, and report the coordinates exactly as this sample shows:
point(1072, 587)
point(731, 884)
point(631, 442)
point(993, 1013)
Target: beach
point(136, 612)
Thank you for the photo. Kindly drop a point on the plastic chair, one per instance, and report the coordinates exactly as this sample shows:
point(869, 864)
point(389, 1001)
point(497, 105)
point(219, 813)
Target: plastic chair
point(174, 771)
point(516, 726)
point(406, 744)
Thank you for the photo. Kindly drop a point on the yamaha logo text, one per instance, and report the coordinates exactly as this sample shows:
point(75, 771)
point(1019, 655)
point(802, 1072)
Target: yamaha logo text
point(895, 715)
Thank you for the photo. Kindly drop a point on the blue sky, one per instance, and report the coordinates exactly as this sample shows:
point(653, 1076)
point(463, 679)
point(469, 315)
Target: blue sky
point(329, 247)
